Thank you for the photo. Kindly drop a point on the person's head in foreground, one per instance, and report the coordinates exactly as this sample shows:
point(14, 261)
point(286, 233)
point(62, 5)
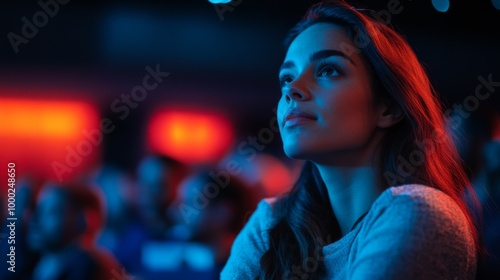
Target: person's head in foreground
point(381, 194)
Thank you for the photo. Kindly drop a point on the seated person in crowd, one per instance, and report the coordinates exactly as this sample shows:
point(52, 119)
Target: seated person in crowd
point(17, 263)
point(57, 227)
point(158, 177)
point(122, 233)
point(211, 213)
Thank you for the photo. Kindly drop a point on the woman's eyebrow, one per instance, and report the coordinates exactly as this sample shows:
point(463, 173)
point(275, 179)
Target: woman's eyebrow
point(327, 53)
point(317, 56)
point(287, 65)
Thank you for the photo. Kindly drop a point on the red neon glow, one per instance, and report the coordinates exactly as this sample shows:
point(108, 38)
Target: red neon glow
point(496, 127)
point(276, 178)
point(190, 137)
point(35, 134)
point(46, 119)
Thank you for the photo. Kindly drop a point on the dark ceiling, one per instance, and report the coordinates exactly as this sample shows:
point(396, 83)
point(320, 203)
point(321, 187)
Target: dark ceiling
point(98, 50)
point(229, 60)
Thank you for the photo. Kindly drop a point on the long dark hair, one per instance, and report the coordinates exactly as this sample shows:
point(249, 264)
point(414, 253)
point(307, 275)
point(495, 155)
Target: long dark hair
point(416, 150)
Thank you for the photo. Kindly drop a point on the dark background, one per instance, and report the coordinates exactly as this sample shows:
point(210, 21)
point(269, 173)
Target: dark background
point(228, 63)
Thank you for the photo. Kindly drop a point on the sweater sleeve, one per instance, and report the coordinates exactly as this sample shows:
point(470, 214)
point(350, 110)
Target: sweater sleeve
point(250, 244)
point(415, 233)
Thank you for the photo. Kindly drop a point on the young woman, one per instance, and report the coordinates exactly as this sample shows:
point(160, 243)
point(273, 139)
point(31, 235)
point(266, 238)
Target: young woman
point(381, 195)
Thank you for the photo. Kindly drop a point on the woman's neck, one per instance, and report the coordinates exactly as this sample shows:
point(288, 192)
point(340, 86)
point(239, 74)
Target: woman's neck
point(352, 191)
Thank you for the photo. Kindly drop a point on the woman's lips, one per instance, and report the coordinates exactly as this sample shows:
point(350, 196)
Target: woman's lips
point(296, 116)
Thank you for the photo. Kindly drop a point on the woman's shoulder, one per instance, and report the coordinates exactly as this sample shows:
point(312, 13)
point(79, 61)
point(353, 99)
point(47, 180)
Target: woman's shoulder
point(259, 222)
point(263, 217)
point(251, 243)
point(421, 211)
point(418, 197)
point(424, 232)
point(265, 205)
point(414, 190)
point(269, 202)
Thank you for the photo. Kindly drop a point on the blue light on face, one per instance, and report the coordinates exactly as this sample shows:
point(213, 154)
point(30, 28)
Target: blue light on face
point(441, 5)
point(219, 1)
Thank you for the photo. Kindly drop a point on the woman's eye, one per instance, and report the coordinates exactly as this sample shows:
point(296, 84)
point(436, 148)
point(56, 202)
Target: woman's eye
point(285, 79)
point(327, 71)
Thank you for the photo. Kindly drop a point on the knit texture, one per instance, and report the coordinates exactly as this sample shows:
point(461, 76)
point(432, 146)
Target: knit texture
point(410, 232)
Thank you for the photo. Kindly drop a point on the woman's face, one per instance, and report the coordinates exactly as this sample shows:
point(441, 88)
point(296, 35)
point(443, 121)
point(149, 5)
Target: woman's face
point(327, 111)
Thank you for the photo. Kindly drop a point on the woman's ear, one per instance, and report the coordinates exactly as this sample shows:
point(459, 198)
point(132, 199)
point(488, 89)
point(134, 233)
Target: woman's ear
point(389, 114)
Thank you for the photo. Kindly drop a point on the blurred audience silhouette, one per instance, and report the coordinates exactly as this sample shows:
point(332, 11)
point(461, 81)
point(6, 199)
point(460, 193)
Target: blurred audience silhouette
point(158, 178)
point(123, 234)
point(168, 220)
point(62, 229)
point(25, 258)
point(478, 142)
point(208, 212)
point(175, 221)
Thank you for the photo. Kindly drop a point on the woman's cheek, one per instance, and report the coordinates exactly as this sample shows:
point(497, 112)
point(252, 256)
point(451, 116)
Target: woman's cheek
point(280, 112)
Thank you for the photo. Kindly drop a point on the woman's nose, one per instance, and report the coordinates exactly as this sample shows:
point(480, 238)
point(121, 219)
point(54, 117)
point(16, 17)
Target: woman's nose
point(297, 90)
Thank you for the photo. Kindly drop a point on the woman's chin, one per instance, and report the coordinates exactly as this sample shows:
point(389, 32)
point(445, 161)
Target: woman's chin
point(297, 152)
